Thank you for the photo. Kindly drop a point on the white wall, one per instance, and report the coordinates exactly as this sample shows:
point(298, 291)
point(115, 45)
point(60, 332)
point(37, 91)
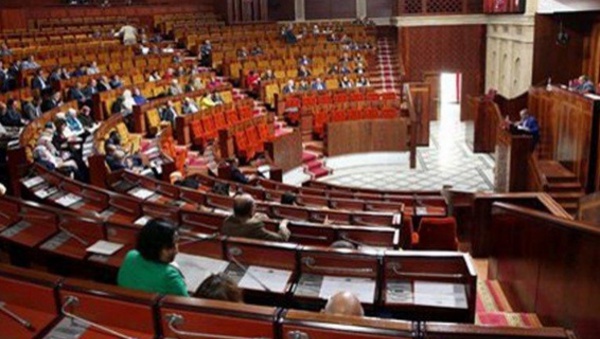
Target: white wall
point(509, 57)
point(551, 6)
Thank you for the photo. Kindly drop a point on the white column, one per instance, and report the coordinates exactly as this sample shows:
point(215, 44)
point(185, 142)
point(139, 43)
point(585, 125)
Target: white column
point(361, 8)
point(300, 13)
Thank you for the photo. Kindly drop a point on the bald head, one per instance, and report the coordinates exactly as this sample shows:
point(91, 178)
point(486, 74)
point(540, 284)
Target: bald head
point(344, 303)
point(243, 206)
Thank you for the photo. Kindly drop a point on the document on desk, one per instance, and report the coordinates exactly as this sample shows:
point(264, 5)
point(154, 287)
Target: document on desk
point(141, 193)
point(68, 200)
point(440, 294)
point(45, 192)
point(104, 247)
point(29, 183)
point(142, 220)
point(68, 329)
point(274, 279)
point(362, 288)
point(196, 268)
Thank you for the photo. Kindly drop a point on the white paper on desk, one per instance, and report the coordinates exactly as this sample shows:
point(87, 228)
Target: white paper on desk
point(440, 294)
point(421, 210)
point(68, 200)
point(141, 193)
point(29, 183)
point(196, 269)
point(142, 221)
point(362, 288)
point(104, 247)
point(45, 192)
point(275, 280)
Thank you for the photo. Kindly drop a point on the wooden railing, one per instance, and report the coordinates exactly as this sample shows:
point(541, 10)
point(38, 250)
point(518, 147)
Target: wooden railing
point(436, 7)
point(413, 126)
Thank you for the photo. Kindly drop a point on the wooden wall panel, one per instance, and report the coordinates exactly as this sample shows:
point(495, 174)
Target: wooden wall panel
point(548, 266)
point(282, 10)
point(562, 62)
point(381, 8)
point(459, 49)
point(329, 9)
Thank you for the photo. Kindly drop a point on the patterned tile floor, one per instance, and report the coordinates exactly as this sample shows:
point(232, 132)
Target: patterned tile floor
point(447, 161)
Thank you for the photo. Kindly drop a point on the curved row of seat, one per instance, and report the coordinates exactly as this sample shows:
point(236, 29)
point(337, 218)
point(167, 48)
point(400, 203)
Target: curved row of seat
point(55, 305)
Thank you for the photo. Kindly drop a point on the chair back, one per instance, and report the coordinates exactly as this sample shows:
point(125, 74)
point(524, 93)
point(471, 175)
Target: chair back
point(438, 234)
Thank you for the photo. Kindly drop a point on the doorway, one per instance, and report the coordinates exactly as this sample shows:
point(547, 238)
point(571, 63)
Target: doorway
point(450, 96)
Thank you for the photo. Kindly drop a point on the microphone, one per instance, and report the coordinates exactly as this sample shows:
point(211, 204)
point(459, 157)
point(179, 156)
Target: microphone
point(195, 240)
point(17, 318)
point(234, 251)
point(174, 320)
point(74, 301)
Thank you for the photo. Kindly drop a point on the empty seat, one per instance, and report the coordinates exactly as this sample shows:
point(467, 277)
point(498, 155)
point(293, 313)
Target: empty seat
point(438, 234)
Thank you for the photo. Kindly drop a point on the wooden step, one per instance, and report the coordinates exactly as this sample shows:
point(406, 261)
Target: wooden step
point(555, 172)
point(566, 196)
point(571, 186)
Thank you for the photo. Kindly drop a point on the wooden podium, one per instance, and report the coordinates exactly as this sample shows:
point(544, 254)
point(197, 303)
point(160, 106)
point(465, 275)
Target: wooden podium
point(512, 160)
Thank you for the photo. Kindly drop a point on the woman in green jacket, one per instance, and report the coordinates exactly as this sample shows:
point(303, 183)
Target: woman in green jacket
point(148, 267)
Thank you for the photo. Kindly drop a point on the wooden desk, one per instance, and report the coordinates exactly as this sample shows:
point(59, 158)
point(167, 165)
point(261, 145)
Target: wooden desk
point(362, 136)
point(286, 150)
point(429, 286)
point(512, 161)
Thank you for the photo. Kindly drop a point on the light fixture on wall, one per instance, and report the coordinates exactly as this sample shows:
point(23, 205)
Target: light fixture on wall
point(562, 38)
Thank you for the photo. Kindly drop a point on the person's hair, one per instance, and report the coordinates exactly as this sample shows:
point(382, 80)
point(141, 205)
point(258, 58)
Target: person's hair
point(343, 244)
point(242, 206)
point(288, 198)
point(219, 287)
point(155, 236)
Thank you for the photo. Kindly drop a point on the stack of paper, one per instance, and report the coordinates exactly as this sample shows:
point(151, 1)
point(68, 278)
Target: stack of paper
point(141, 193)
point(440, 294)
point(196, 269)
point(29, 183)
point(68, 200)
point(104, 247)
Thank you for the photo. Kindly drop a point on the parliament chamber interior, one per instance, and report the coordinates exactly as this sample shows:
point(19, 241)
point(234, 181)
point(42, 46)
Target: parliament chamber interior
point(299, 169)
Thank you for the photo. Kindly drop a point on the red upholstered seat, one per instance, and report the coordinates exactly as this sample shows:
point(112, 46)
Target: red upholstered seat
point(357, 96)
point(309, 101)
point(389, 113)
point(319, 120)
point(232, 117)
point(245, 113)
point(208, 124)
point(324, 99)
point(264, 133)
point(438, 234)
point(292, 102)
point(340, 97)
point(243, 148)
point(197, 133)
point(338, 115)
point(372, 96)
point(354, 114)
point(371, 113)
point(220, 121)
point(254, 138)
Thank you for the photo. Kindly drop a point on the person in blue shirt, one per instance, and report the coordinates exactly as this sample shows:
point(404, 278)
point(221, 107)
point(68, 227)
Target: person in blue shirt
point(529, 125)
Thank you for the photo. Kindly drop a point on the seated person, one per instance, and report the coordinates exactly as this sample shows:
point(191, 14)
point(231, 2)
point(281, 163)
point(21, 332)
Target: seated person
point(256, 50)
point(289, 36)
point(174, 88)
point(303, 86)
point(360, 68)
point(154, 76)
point(303, 72)
point(189, 106)
point(344, 303)
point(363, 82)
point(149, 267)
point(289, 87)
point(243, 222)
point(268, 75)
point(116, 82)
point(138, 97)
point(242, 53)
point(585, 85)
point(527, 125)
point(343, 244)
point(85, 118)
point(345, 69)
point(318, 85)
point(236, 174)
point(288, 198)
point(253, 81)
point(169, 113)
point(304, 61)
point(219, 287)
point(334, 69)
point(10, 116)
point(177, 179)
point(104, 84)
point(73, 122)
point(346, 83)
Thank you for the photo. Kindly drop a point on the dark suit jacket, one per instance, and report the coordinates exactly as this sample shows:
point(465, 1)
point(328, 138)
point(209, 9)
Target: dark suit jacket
point(252, 228)
point(39, 83)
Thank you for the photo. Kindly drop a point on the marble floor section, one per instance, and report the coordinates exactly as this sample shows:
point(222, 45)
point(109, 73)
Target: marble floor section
point(447, 161)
